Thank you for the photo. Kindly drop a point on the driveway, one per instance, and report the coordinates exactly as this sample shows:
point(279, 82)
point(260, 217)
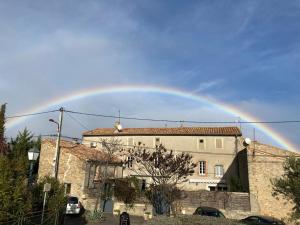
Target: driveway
point(109, 220)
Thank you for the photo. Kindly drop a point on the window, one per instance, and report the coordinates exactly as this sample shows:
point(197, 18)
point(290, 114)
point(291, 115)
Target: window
point(219, 143)
point(130, 161)
point(97, 176)
point(202, 167)
point(157, 142)
point(222, 188)
point(93, 144)
point(219, 187)
point(252, 220)
point(219, 171)
point(139, 143)
point(143, 186)
point(212, 188)
point(130, 142)
point(201, 144)
point(67, 188)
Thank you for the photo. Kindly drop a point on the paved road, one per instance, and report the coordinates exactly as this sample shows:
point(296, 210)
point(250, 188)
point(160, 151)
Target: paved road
point(109, 220)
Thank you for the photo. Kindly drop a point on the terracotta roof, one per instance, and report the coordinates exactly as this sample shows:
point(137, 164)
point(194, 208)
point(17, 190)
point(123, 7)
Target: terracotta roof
point(176, 131)
point(81, 151)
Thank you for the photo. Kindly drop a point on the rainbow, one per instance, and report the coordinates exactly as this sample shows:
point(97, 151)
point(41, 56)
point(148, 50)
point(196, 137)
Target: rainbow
point(275, 136)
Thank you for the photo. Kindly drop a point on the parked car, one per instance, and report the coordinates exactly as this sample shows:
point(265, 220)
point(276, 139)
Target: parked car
point(73, 205)
point(208, 211)
point(261, 220)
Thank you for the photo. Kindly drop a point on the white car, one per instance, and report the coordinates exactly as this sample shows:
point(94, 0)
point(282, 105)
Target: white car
point(73, 205)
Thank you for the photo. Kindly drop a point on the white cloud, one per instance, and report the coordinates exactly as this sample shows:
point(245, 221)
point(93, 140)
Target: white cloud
point(205, 86)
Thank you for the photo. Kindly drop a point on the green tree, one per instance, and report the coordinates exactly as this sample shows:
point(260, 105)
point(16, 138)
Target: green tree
point(127, 190)
point(288, 185)
point(14, 197)
point(56, 196)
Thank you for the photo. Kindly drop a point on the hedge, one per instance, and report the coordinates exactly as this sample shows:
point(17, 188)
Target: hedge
point(191, 220)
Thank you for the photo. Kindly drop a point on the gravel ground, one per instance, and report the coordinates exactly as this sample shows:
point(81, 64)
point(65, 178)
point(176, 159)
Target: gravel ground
point(109, 220)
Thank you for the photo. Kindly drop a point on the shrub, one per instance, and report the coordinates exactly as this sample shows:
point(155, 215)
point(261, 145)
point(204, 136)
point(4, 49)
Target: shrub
point(191, 220)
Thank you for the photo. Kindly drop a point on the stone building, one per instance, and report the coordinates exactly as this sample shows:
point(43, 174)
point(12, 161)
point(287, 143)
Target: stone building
point(79, 169)
point(264, 163)
point(214, 150)
point(254, 166)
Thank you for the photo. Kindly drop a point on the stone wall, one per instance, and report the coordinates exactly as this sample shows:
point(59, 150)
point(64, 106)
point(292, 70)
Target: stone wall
point(264, 164)
point(71, 169)
point(234, 204)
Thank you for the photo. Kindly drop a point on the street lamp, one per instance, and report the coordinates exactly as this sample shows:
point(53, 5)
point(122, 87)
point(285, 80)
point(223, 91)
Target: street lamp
point(33, 155)
point(53, 121)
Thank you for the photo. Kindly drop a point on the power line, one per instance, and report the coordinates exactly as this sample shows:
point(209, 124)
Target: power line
point(182, 121)
point(153, 119)
point(31, 114)
point(77, 121)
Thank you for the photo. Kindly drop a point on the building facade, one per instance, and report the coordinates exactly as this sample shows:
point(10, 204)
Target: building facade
point(219, 153)
point(79, 169)
point(264, 163)
point(214, 150)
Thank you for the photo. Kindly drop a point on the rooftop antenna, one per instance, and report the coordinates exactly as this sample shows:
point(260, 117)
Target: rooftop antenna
point(181, 123)
point(238, 120)
point(254, 140)
point(119, 116)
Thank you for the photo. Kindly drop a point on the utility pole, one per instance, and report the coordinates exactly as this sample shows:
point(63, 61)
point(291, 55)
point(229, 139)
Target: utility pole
point(57, 152)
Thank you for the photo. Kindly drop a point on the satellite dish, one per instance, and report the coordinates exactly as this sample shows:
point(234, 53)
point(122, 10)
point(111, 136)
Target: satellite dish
point(247, 141)
point(119, 127)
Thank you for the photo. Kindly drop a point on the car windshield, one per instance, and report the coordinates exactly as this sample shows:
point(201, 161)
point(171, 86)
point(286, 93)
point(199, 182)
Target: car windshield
point(73, 200)
point(210, 213)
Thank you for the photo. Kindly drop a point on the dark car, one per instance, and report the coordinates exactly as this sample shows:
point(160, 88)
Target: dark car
point(261, 220)
point(208, 211)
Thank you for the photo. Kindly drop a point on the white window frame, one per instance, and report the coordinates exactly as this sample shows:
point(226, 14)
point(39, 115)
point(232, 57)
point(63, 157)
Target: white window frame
point(198, 143)
point(204, 168)
point(215, 170)
point(222, 140)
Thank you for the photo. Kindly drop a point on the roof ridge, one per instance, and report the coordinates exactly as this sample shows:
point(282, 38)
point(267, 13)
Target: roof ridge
point(215, 131)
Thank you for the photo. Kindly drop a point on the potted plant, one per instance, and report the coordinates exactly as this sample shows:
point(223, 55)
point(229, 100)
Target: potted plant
point(147, 215)
point(117, 212)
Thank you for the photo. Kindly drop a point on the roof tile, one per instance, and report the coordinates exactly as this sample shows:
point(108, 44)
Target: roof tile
point(175, 131)
point(81, 151)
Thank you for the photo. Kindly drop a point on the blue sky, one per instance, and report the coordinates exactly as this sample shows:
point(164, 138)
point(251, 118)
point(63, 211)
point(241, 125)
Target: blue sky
point(244, 53)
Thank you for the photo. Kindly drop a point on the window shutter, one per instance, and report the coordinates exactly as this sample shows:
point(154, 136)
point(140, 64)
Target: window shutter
point(219, 143)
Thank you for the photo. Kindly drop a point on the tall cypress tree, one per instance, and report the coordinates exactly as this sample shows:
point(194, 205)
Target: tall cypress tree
point(3, 145)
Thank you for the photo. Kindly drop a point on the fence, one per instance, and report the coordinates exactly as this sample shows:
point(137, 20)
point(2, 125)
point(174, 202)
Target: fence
point(34, 218)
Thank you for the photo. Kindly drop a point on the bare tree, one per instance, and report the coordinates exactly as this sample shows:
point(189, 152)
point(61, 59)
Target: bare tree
point(162, 165)
point(166, 171)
